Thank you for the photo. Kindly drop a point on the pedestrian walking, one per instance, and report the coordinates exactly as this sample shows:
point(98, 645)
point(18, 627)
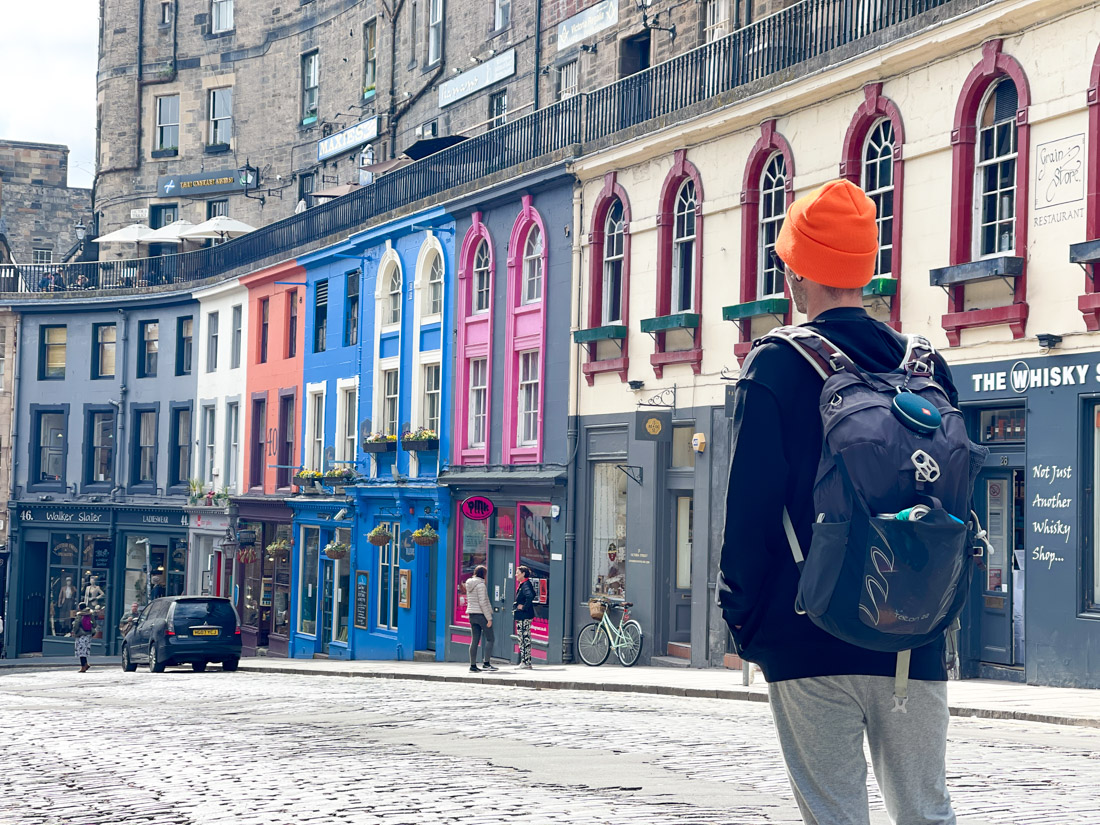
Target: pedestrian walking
point(480, 612)
point(523, 610)
point(82, 632)
point(826, 695)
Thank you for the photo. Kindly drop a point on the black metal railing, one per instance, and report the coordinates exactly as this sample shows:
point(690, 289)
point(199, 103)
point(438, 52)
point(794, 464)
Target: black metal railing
point(774, 44)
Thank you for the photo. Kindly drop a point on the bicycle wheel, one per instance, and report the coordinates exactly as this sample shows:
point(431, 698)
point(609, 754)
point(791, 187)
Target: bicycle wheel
point(593, 645)
point(631, 647)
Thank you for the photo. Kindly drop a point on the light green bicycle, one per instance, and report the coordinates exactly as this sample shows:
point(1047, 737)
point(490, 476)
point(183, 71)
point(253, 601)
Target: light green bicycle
point(597, 639)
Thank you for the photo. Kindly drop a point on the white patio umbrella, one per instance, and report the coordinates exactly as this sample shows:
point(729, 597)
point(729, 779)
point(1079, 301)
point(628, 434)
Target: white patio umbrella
point(169, 233)
point(220, 227)
point(134, 233)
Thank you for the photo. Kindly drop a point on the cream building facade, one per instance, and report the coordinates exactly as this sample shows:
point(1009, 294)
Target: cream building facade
point(982, 149)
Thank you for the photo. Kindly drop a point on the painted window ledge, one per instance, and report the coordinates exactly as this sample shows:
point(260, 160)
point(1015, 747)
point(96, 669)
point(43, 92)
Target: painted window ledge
point(608, 332)
point(664, 323)
point(755, 309)
point(1087, 254)
point(973, 272)
point(1002, 267)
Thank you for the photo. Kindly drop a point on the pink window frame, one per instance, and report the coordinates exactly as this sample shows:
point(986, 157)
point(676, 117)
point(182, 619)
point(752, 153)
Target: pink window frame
point(993, 66)
point(768, 144)
point(480, 328)
point(612, 191)
point(682, 169)
point(874, 108)
point(1089, 301)
point(529, 315)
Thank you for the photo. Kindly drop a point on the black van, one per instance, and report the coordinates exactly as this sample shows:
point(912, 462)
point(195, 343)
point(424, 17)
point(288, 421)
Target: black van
point(177, 630)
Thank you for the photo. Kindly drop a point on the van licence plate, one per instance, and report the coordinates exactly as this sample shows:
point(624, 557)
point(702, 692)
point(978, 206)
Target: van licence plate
point(201, 631)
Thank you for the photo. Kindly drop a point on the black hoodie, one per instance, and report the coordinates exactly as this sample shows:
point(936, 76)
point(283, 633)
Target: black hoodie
point(776, 449)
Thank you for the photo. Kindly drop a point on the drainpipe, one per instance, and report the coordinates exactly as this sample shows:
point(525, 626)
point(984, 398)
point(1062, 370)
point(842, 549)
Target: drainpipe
point(391, 115)
point(121, 368)
point(572, 437)
point(538, 52)
point(14, 573)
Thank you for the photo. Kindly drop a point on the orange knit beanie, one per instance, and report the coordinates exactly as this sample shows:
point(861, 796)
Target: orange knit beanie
point(830, 236)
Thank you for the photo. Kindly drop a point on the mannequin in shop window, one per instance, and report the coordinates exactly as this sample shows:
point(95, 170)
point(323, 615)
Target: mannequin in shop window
point(93, 594)
point(66, 603)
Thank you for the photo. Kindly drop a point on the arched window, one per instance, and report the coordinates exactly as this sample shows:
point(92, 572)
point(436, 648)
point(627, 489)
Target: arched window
point(532, 267)
point(877, 180)
point(613, 255)
point(393, 297)
point(483, 278)
point(773, 184)
point(434, 295)
point(683, 249)
point(995, 172)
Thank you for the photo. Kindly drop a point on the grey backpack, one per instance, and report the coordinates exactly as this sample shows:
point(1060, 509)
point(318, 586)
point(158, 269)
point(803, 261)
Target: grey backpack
point(892, 553)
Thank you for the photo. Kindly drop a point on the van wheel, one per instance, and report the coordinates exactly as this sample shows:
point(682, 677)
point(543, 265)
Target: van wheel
point(127, 664)
point(230, 664)
point(198, 667)
point(155, 664)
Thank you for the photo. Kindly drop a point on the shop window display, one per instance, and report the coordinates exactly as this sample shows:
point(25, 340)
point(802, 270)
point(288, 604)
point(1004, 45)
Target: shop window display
point(307, 581)
point(475, 551)
point(608, 549)
point(280, 622)
point(78, 572)
point(533, 550)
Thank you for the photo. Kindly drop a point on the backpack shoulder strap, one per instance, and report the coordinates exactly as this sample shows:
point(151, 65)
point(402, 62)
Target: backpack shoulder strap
point(918, 358)
point(825, 357)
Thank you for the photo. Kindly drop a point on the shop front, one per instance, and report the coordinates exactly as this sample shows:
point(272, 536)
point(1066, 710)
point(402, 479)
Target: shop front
point(210, 568)
point(503, 526)
point(113, 559)
point(1034, 611)
point(262, 583)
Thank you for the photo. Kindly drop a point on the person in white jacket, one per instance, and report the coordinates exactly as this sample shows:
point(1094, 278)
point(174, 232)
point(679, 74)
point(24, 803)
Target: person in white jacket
point(480, 612)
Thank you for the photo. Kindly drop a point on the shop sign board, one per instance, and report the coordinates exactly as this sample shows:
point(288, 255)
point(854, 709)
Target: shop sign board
point(44, 516)
point(653, 425)
point(246, 537)
point(170, 518)
point(1022, 376)
point(101, 553)
point(477, 508)
point(592, 20)
point(477, 78)
point(204, 183)
point(347, 139)
point(362, 598)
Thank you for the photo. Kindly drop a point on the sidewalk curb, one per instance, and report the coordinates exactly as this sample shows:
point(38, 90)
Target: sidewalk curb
point(961, 711)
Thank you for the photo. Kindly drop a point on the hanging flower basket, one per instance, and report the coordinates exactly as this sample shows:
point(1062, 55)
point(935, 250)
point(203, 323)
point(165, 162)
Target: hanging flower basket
point(379, 536)
point(278, 549)
point(426, 536)
point(248, 554)
point(336, 550)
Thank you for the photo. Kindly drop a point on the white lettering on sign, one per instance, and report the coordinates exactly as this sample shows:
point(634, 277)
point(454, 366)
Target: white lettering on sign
point(1056, 501)
point(1040, 553)
point(592, 20)
point(1052, 472)
point(1060, 172)
point(1052, 527)
point(1021, 377)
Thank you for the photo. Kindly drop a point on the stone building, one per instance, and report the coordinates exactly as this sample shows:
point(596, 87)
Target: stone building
point(38, 208)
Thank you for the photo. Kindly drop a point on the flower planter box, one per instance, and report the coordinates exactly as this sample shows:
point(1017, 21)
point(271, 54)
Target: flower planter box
point(420, 445)
point(307, 486)
point(379, 446)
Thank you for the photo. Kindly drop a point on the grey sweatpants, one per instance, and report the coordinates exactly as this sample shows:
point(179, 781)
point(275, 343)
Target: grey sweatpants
point(821, 723)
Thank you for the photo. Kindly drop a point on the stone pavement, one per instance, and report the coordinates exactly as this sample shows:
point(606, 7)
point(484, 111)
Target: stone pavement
point(268, 748)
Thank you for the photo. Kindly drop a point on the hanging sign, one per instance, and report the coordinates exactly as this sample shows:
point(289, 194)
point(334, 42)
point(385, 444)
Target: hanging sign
point(653, 425)
point(477, 508)
point(362, 598)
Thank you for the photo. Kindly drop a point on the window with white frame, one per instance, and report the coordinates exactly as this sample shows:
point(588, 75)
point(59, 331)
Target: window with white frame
point(235, 350)
point(316, 431)
point(208, 420)
point(503, 15)
point(433, 303)
point(716, 20)
point(370, 56)
point(349, 407)
point(435, 31)
point(996, 171)
point(211, 341)
point(773, 183)
point(568, 78)
point(221, 16)
point(3, 355)
point(528, 402)
point(498, 108)
point(683, 248)
point(391, 384)
point(483, 277)
point(532, 267)
point(389, 564)
point(392, 312)
point(613, 245)
point(168, 122)
point(479, 401)
point(232, 442)
point(430, 410)
point(311, 82)
point(878, 183)
point(42, 256)
point(221, 115)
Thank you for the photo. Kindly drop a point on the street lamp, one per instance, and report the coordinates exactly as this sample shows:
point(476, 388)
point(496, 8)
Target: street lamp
point(81, 232)
point(643, 7)
point(249, 175)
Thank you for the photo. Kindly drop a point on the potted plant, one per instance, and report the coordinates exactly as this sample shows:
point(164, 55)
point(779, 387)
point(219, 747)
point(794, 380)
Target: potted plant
point(338, 477)
point(221, 498)
point(425, 536)
point(419, 440)
point(380, 536)
point(278, 549)
point(380, 443)
point(307, 480)
point(247, 554)
point(194, 490)
point(337, 550)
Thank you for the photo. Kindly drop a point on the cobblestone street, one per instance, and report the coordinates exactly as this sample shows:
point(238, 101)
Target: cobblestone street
point(182, 747)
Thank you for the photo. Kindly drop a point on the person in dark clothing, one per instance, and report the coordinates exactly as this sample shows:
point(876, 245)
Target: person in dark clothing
point(825, 694)
point(523, 611)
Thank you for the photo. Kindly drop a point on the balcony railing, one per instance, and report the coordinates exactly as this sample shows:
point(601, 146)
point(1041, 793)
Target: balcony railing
point(771, 45)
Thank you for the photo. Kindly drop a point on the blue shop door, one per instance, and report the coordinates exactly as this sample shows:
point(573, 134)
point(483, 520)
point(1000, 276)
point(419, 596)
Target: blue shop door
point(999, 496)
point(328, 600)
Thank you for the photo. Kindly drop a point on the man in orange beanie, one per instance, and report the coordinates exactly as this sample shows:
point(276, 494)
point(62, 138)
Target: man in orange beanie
point(826, 695)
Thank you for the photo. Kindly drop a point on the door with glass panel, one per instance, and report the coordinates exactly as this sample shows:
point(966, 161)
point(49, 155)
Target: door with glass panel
point(679, 615)
point(328, 601)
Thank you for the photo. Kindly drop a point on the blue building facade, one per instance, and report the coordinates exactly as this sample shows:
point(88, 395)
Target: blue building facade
point(375, 430)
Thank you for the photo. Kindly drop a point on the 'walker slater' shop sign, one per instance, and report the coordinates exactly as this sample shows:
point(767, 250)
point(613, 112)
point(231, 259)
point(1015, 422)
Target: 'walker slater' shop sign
point(347, 139)
point(203, 183)
point(64, 516)
point(1021, 377)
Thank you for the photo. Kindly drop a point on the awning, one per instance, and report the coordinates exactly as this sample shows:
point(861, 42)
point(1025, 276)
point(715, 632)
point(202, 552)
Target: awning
point(429, 146)
point(502, 476)
point(337, 191)
point(386, 166)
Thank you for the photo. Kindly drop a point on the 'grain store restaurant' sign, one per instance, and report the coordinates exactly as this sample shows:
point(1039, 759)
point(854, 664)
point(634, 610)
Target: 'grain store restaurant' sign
point(203, 183)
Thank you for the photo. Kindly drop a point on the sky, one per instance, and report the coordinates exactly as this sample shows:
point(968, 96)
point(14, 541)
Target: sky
point(48, 56)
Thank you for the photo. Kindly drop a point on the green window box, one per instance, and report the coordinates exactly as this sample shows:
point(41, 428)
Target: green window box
point(610, 332)
point(664, 323)
point(755, 309)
